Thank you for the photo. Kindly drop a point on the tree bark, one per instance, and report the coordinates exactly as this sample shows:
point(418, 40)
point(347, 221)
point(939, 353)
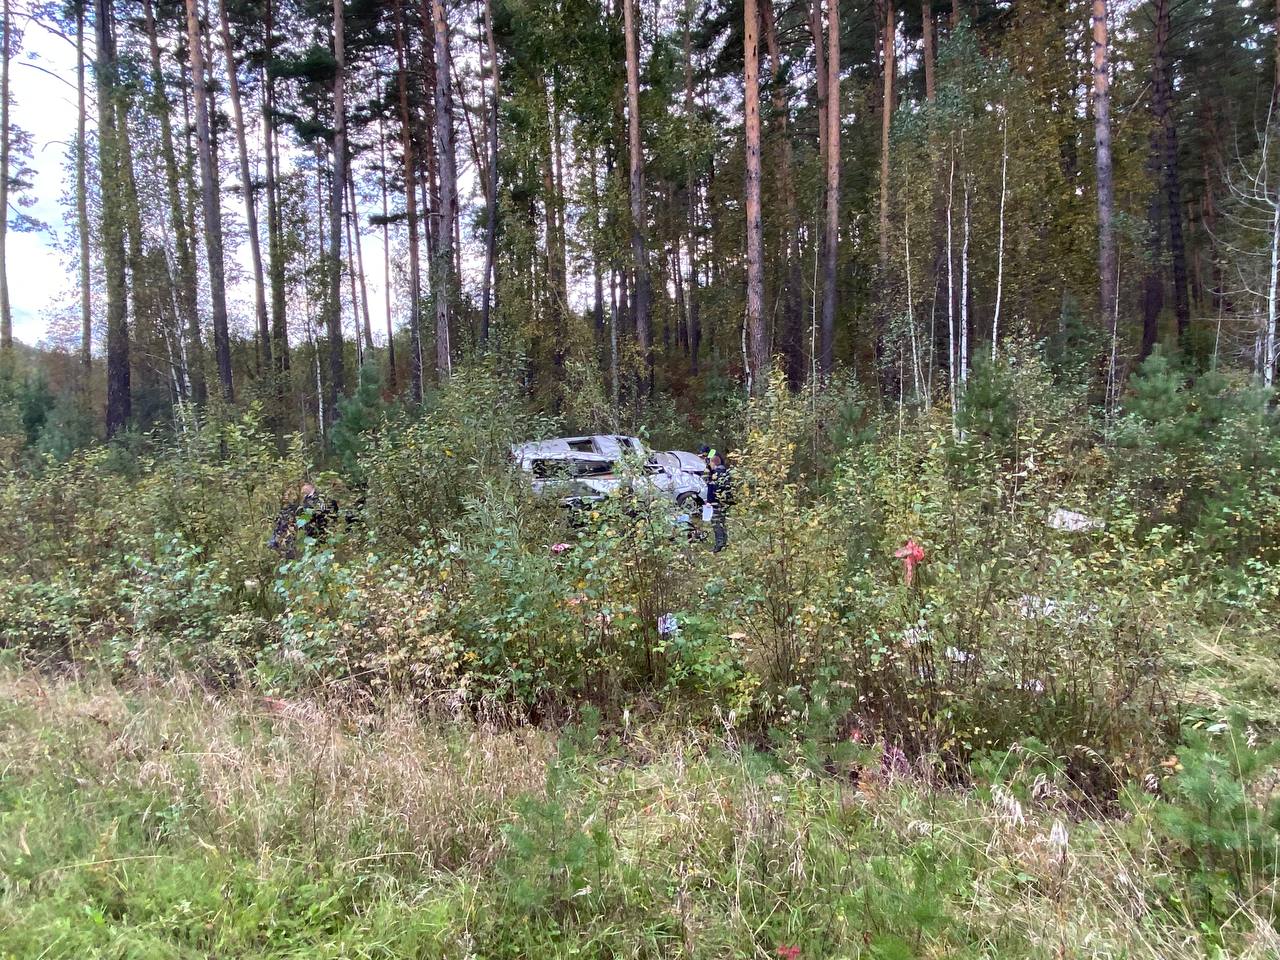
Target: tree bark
point(184, 256)
point(930, 56)
point(952, 340)
point(1153, 280)
point(1269, 350)
point(638, 222)
point(352, 272)
point(820, 74)
point(887, 44)
point(358, 273)
point(246, 184)
point(275, 227)
point(411, 210)
point(964, 286)
point(1106, 189)
point(1004, 189)
point(210, 203)
point(337, 192)
point(826, 355)
point(491, 196)
point(757, 344)
point(691, 198)
point(792, 335)
point(82, 205)
point(386, 250)
point(119, 396)
point(1162, 107)
point(444, 286)
point(138, 284)
point(597, 276)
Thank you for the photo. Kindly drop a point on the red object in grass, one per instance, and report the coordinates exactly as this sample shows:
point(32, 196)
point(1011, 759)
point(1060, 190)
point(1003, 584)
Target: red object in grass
point(910, 553)
point(788, 951)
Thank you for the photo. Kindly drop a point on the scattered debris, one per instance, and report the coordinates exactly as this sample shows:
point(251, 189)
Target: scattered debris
point(1072, 521)
point(1032, 607)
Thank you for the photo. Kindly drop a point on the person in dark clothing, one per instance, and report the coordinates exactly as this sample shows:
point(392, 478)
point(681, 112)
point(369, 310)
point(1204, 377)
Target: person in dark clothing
point(312, 514)
point(719, 496)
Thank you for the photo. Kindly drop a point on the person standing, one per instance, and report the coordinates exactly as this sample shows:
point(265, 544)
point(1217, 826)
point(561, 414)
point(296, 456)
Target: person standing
point(312, 512)
point(719, 496)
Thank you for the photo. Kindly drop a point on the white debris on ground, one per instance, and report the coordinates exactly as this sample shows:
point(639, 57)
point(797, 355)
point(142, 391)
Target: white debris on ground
point(1031, 607)
point(914, 636)
point(1072, 522)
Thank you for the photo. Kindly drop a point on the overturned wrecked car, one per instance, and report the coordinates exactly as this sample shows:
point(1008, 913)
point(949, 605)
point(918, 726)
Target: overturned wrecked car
point(583, 470)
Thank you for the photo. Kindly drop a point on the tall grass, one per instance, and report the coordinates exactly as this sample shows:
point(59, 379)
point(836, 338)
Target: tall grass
point(164, 821)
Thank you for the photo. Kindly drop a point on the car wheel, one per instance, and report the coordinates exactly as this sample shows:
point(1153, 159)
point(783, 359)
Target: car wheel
point(689, 501)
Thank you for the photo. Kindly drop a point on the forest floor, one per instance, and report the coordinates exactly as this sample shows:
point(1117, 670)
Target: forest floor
point(160, 820)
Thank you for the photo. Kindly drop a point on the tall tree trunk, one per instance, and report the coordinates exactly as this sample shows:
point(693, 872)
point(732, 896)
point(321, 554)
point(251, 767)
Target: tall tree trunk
point(275, 226)
point(557, 159)
point(138, 284)
point(826, 353)
point(757, 343)
point(792, 336)
point(887, 45)
point(638, 221)
point(1162, 107)
point(597, 276)
point(411, 209)
point(184, 256)
point(682, 306)
point(209, 200)
point(964, 285)
point(930, 55)
point(820, 73)
point(1153, 280)
point(352, 279)
point(1004, 190)
point(556, 293)
point(1269, 346)
point(445, 284)
point(359, 264)
point(1106, 189)
point(953, 365)
point(246, 184)
point(82, 205)
point(491, 196)
point(6, 315)
point(190, 193)
point(691, 198)
point(119, 396)
point(337, 190)
point(386, 251)
point(888, 42)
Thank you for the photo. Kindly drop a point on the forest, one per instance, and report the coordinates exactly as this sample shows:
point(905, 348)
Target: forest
point(979, 302)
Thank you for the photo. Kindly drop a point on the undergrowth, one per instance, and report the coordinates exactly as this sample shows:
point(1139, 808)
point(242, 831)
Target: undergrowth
point(164, 821)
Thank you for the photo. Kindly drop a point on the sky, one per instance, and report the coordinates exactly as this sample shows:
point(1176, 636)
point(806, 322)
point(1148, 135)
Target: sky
point(44, 104)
